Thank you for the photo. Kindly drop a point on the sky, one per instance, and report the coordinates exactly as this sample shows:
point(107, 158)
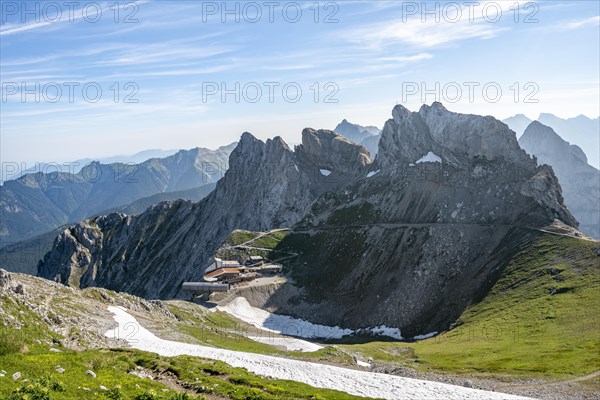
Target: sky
point(94, 79)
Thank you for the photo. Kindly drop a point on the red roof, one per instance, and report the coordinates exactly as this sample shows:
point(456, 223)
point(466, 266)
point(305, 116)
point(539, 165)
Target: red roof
point(222, 271)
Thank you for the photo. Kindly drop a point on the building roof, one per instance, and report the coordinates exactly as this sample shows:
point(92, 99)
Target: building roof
point(221, 271)
point(230, 263)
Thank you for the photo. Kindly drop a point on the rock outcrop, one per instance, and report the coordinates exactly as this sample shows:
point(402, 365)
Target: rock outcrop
point(267, 186)
point(580, 182)
point(456, 138)
point(328, 150)
point(411, 246)
point(405, 242)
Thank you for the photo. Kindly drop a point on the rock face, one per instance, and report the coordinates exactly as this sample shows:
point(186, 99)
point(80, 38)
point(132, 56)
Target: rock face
point(456, 138)
point(4, 278)
point(37, 203)
point(328, 150)
point(267, 186)
point(413, 245)
point(580, 182)
point(397, 243)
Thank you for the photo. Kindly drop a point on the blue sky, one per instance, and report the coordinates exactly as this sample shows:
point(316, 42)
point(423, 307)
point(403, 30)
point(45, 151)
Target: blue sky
point(368, 56)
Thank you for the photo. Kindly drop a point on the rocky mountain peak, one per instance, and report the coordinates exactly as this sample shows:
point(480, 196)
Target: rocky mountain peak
point(579, 181)
point(456, 138)
point(355, 132)
point(537, 128)
point(543, 139)
point(543, 142)
point(326, 149)
point(266, 186)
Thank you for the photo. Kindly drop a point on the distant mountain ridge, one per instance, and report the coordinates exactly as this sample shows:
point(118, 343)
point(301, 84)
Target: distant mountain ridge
point(78, 165)
point(24, 256)
point(580, 182)
point(366, 136)
point(581, 131)
point(38, 203)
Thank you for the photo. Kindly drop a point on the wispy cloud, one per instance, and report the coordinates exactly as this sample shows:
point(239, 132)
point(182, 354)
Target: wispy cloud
point(407, 59)
point(425, 32)
point(73, 16)
point(581, 23)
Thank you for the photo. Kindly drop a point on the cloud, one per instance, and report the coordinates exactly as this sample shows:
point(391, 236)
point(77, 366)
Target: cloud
point(421, 30)
point(70, 15)
point(407, 59)
point(581, 23)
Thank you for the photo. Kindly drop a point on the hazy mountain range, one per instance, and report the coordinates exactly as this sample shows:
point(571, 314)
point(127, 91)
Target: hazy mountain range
point(39, 202)
point(580, 182)
point(77, 165)
point(367, 136)
point(581, 131)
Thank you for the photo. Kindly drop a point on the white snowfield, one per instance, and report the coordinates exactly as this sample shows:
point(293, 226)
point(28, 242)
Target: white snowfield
point(288, 343)
point(285, 325)
point(360, 383)
point(429, 157)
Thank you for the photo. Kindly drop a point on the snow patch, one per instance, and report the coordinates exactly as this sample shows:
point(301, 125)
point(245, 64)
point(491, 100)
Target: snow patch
point(288, 343)
point(385, 331)
point(282, 324)
point(372, 173)
point(325, 172)
point(429, 157)
point(425, 336)
point(359, 383)
point(363, 364)
point(289, 326)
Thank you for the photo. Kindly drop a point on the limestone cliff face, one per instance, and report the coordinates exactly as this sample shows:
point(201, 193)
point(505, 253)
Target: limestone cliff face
point(414, 244)
point(327, 150)
point(392, 242)
point(267, 186)
point(580, 182)
point(456, 138)
point(468, 142)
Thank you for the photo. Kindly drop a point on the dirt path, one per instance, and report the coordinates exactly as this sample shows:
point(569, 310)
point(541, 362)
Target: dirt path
point(557, 383)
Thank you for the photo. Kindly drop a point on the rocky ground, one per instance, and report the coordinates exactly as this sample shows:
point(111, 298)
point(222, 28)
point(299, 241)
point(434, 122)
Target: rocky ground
point(80, 316)
point(536, 388)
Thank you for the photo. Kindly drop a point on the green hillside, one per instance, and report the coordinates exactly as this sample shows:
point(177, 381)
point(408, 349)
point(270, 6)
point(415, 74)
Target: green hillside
point(541, 318)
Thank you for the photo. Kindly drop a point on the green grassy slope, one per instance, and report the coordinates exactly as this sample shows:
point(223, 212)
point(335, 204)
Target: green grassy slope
point(541, 318)
point(26, 350)
point(255, 244)
point(35, 349)
point(172, 376)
